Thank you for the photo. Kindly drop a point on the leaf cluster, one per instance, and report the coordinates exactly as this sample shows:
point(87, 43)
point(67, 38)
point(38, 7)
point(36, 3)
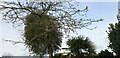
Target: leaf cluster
point(81, 46)
point(41, 34)
point(114, 37)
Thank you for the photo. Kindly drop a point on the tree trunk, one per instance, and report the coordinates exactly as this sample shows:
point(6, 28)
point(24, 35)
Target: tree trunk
point(50, 53)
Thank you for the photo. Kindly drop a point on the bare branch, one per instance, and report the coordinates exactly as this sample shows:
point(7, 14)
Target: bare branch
point(66, 13)
point(14, 42)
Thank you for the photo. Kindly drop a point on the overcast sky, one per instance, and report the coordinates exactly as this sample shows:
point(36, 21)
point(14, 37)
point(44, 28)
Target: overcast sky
point(105, 10)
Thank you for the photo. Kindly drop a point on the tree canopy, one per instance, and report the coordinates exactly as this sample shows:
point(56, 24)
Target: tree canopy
point(42, 34)
point(81, 46)
point(104, 53)
point(114, 37)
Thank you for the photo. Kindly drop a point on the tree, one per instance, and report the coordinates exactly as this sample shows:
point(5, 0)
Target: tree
point(105, 54)
point(42, 34)
point(81, 46)
point(66, 14)
point(114, 37)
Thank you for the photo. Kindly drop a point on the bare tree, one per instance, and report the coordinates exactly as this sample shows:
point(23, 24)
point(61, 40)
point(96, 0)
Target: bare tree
point(66, 13)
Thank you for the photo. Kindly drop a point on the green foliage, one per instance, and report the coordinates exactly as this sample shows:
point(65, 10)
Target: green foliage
point(41, 34)
point(114, 37)
point(59, 55)
point(105, 53)
point(81, 46)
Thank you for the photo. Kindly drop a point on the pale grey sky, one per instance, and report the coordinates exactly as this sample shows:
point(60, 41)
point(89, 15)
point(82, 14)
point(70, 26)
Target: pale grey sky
point(106, 10)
